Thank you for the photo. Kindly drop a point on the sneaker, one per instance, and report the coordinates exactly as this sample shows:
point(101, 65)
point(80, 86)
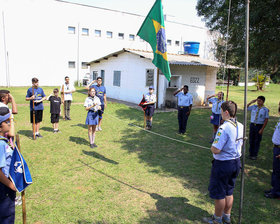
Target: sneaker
point(253, 158)
point(96, 129)
point(58, 131)
point(94, 145)
point(272, 196)
point(99, 128)
point(54, 131)
point(39, 136)
point(226, 220)
point(91, 146)
point(267, 191)
point(212, 220)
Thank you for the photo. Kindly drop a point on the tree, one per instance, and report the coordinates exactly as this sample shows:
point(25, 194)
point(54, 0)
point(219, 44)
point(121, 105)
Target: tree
point(264, 31)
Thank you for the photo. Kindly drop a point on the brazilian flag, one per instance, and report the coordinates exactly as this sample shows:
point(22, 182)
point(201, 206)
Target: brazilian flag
point(153, 31)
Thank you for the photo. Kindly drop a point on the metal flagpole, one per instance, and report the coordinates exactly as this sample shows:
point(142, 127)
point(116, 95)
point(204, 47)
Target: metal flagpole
point(6, 52)
point(245, 110)
point(78, 55)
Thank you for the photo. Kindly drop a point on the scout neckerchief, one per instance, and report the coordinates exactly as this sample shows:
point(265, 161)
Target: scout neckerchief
point(257, 114)
point(217, 106)
point(7, 141)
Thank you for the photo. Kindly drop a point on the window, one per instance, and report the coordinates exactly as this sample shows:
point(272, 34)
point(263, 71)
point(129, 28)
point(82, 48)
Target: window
point(71, 64)
point(131, 37)
point(97, 33)
point(168, 42)
point(84, 65)
point(117, 78)
point(121, 36)
point(85, 31)
point(71, 29)
point(109, 34)
point(149, 77)
point(177, 43)
point(94, 75)
point(103, 77)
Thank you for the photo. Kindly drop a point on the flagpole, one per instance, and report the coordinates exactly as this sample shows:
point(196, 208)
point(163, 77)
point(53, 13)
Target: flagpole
point(157, 87)
point(23, 192)
point(245, 111)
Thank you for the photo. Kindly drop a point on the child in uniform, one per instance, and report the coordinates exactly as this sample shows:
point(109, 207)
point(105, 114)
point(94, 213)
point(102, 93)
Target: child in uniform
point(55, 102)
point(259, 119)
point(7, 188)
point(151, 99)
point(226, 150)
point(216, 111)
point(92, 105)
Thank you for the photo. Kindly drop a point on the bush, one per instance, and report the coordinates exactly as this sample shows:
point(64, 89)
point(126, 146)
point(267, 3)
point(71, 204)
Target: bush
point(260, 81)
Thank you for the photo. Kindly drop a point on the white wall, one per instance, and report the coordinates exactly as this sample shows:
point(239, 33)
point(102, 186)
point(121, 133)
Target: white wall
point(133, 76)
point(38, 43)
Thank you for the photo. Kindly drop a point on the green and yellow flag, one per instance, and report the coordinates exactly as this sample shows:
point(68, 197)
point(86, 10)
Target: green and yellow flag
point(153, 31)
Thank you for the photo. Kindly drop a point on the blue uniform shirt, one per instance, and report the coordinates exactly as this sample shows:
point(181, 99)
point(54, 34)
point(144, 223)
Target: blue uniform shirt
point(229, 139)
point(39, 94)
point(258, 115)
point(276, 134)
point(100, 91)
point(5, 156)
point(216, 105)
point(184, 100)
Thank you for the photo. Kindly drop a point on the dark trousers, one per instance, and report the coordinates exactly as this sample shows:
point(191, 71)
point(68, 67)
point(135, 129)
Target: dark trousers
point(275, 177)
point(67, 104)
point(183, 118)
point(7, 205)
point(255, 139)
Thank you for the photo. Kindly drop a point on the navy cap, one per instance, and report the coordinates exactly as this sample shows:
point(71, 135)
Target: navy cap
point(151, 87)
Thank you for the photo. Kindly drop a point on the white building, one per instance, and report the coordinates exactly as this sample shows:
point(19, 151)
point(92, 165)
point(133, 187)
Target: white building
point(128, 74)
point(50, 39)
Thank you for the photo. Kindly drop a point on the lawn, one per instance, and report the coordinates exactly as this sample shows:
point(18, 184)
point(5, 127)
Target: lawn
point(135, 176)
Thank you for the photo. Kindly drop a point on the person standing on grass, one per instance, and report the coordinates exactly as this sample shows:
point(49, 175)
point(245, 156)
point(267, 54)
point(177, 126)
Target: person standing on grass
point(55, 102)
point(226, 150)
point(7, 188)
point(67, 89)
point(216, 111)
point(92, 105)
point(37, 94)
point(274, 192)
point(259, 119)
point(185, 101)
point(6, 98)
point(101, 93)
point(150, 99)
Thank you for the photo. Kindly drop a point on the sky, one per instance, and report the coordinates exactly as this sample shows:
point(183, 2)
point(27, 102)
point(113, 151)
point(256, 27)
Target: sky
point(177, 10)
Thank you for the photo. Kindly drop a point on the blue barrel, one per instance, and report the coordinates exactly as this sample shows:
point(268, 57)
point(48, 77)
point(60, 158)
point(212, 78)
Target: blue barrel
point(191, 47)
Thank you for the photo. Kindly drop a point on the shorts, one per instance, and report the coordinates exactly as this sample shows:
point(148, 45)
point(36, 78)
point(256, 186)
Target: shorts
point(7, 204)
point(150, 110)
point(54, 118)
point(100, 112)
point(223, 177)
point(216, 119)
point(38, 116)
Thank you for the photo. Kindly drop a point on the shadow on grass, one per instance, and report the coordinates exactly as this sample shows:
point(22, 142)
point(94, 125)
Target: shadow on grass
point(80, 125)
point(27, 133)
point(47, 129)
point(193, 164)
point(168, 209)
point(78, 140)
point(99, 156)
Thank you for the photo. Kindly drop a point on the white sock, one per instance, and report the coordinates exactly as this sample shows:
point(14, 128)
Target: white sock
point(36, 133)
point(90, 138)
point(226, 216)
point(93, 138)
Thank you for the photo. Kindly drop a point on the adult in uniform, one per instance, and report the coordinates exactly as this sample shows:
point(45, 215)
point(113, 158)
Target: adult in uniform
point(185, 101)
point(216, 111)
point(259, 119)
point(226, 150)
point(150, 99)
point(275, 177)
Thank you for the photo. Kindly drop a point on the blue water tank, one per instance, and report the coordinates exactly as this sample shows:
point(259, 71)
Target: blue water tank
point(191, 47)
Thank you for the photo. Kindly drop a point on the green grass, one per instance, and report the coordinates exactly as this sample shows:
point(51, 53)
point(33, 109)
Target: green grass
point(133, 176)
